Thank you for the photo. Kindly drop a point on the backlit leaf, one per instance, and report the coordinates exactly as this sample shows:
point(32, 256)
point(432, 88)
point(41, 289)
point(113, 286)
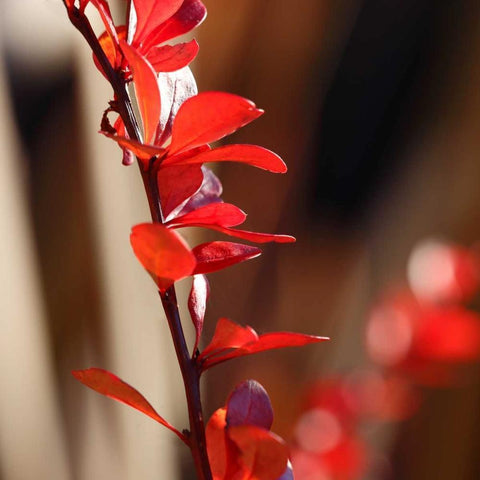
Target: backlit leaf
point(264, 454)
point(110, 48)
point(177, 184)
point(249, 154)
point(188, 16)
point(151, 14)
point(111, 386)
point(208, 117)
point(249, 404)
point(223, 454)
point(162, 252)
point(251, 236)
point(216, 443)
point(146, 90)
point(197, 304)
point(222, 214)
point(227, 343)
point(228, 335)
point(168, 58)
point(214, 256)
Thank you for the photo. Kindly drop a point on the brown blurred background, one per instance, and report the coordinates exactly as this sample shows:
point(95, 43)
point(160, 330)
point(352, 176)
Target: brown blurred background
point(375, 107)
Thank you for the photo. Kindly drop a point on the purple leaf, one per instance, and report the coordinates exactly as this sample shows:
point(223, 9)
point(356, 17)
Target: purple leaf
point(288, 474)
point(209, 192)
point(249, 404)
point(197, 304)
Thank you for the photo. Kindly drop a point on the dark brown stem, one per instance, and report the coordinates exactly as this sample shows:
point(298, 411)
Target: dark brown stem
point(191, 379)
point(188, 367)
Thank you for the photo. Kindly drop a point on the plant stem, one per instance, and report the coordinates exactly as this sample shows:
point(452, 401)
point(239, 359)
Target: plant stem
point(191, 379)
point(188, 367)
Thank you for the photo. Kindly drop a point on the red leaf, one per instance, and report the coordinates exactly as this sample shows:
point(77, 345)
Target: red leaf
point(222, 452)
point(249, 404)
point(197, 304)
point(151, 14)
point(214, 256)
point(146, 89)
point(169, 58)
point(177, 184)
point(250, 154)
point(251, 236)
point(264, 454)
point(110, 48)
point(188, 16)
point(223, 214)
point(216, 443)
point(162, 252)
point(111, 386)
point(197, 150)
point(227, 337)
point(208, 117)
point(271, 341)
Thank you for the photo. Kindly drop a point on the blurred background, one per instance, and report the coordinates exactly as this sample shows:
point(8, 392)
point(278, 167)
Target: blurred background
point(375, 107)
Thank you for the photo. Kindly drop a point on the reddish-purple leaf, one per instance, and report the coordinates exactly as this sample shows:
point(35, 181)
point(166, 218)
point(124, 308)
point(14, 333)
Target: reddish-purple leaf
point(262, 453)
point(168, 58)
point(227, 343)
point(146, 89)
point(162, 252)
point(208, 117)
point(197, 304)
point(214, 256)
point(151, 14)
point(177, 184)
point(288, 473)
point(222, 214)
point(249, 404)
point(228, 335)
point(209, 193)
point(111, 386)
point(188, 16)
point(249, 154)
